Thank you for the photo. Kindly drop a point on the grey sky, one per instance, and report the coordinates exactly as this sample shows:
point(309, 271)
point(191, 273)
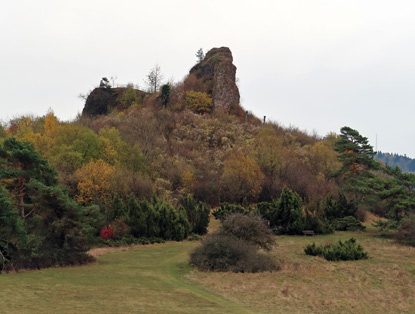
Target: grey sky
point(314, 64)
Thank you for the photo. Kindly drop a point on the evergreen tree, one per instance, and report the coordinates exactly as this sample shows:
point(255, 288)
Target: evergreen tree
point(52, 228)
point(288, 217)
point(137, 217)
point(197, 214)
point(358, 163)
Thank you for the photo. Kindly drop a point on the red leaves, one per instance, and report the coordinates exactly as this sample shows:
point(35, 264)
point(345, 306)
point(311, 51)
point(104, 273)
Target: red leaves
point(106, 232)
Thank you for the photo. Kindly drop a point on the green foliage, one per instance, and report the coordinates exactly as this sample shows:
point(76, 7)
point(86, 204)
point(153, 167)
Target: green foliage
point(318, 225)
point(197, 214)
point(338, 209)
point(165, 94)
point(285, 216)
point(227, 209)
point(52, 228)
point(314, 250)
point(348, 223)
point(341, 251)
point(406, 232)
point(130, 97)
point(200, 55)
point(156, 219)
point(355, 153)
point(385, 225)
point(12, 232)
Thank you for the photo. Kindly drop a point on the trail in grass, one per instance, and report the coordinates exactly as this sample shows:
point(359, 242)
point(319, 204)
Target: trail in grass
point(143, 280)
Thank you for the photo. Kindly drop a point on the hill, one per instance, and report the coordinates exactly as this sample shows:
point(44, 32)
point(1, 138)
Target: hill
point(395, 160)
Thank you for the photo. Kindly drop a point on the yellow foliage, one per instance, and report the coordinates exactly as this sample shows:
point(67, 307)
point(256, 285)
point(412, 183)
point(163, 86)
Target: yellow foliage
point(323, 158)
point(51, 125)
point(188, 180)
point(94, 182)
point(241, 177)
point(199, 102)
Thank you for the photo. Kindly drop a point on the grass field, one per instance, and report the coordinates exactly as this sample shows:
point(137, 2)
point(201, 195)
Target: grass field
point(156, 279)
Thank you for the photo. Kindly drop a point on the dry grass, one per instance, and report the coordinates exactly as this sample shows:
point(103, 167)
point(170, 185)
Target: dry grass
point(385, 283)
point(156, 279)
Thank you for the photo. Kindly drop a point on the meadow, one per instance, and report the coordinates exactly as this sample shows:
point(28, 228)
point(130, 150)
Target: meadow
point(157, 279)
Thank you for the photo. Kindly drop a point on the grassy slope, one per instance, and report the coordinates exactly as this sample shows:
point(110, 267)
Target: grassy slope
point(385, 283)
point(156, 279)
point(144, 280)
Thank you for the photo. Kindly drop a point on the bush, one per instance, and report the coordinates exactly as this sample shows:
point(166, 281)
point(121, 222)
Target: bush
point(251, 229)
point(226, 209)
point(406, 232)
point(199, 102)
point(157, 219)
point(197, 215)
point(235, 247)
point(285, 216)
point(227, 253)
point(341, 251)
point(347, 223)
point(314, 250)
point(319, 226)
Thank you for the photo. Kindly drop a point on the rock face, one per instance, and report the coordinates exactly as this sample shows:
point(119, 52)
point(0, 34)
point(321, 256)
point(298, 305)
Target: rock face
point(102, 100)
point(217, 73)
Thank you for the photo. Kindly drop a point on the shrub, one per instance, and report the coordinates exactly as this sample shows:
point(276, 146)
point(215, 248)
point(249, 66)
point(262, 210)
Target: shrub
point(406, 232)
point(121, 229)
point(314, 250)
point(251, 229)
point(386, 225)
point(199, 102)
point(286, 215)
point(197, 215)
point(319, 226)
point(347, 223)
point(157, 219)
point(227, 253)
point(107, 232)
point(226, 209)
point(341, 251)
point(338, 209)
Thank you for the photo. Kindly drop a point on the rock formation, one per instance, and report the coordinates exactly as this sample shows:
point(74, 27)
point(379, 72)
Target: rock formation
point(102, 100)
point(217, 73)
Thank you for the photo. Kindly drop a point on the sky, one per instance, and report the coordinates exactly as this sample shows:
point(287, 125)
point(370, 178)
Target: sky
point(317, 65)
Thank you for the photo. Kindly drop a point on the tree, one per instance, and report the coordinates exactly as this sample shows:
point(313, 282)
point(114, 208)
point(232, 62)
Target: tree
point(41, 224)
point(94, 183)
point(355, 153)
point(197, 214)
point(241, 178)
point(104, 83)
point(153, 79)
point(358, 164)
point(200, 55)
point(19, 164)
point(165, 94)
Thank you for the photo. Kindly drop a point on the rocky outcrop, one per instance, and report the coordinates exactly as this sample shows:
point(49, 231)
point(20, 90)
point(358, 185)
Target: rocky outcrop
point(217, 74)
point(102, 100)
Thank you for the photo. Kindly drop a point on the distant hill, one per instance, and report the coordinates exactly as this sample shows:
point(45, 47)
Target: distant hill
point(404, 162)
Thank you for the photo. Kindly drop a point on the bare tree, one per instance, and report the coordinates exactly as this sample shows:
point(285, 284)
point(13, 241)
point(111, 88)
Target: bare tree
point(154, 79)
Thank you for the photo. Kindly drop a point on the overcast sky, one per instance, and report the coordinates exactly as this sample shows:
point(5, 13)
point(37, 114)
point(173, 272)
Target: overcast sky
point(314, 64)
